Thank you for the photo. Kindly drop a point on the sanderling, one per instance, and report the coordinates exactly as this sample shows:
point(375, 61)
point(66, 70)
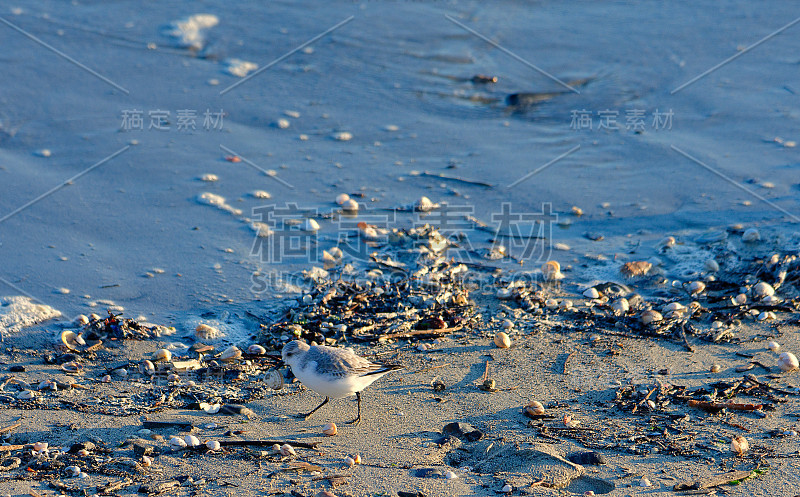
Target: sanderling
point(332, 372)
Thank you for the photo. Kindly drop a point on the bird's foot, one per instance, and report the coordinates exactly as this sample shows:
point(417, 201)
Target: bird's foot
point(355, 422)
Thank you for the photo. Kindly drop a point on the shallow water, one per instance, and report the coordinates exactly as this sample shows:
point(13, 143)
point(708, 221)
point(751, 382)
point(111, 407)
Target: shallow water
point(395, 63)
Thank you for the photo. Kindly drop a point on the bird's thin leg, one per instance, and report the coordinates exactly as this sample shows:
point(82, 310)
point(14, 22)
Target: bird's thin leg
point(308, 415)
point(356, 421)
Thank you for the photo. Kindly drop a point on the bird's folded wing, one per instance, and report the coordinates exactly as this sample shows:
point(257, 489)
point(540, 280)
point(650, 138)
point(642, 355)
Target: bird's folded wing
point(341, 365)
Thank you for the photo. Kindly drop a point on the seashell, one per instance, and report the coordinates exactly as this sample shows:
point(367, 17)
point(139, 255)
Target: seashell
point(177, 443)
point(213, 445)
point(717, 325)
point(230, 354)
point(551, 303)
point(716, 368)
point(424, 204)
point(591, 293)
point(342, 198)
point(450, 475)
point(507, 324)
point(95, 317)
point(635, 268)
point(350, 206)
point(665, 243)
point(256, 349)
point(650, 316)
point(770, 299)
point(330, 429)
point(147, 368)
point(740, 299)
point(343, 136)
point(192, 441)
point(26, 395)
point(147, 461)
point(206, 332)
point(349, 461)
point(751, 235)
point(788, 362)
point(47, 384)
point(773, 346)
point(696, 287)
point(325, 493)
point(287, 450)
point(120, 372)
point(502, 340)
point(73, 471)
point(504, 293)
point(106, 378)
point(71, 340)
point(81, 320)
point(566, 304)
point(534, 408)
point(337, 253)
point(507, 488)
point(162, 355)
point(552, 271)
point(274, 380)
point(711, 265)
point(762, 289)
point(276, 448)
point(40, 446)
point(766, 316)
point(357, 458)
point(83, 453)
point(645, 482)
point(173, 378)
point(620, 306)
point(209, 408)
point(310, 225)
point(673, 306)
point(739, 445)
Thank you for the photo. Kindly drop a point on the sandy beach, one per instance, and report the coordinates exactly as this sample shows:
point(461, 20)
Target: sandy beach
point(578, 238)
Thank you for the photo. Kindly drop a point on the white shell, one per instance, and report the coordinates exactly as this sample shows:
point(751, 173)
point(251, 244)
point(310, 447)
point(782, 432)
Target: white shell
point(645, 482)
point(763, 289)
point(106, 378)
point(350, 206)
point(788, 362)
point(287, 450)
point(551, 303)
point(73, 470)
point(212, 445)
point(696, 287)
point(716, 368)
point(711, 265)
point(739, 444)
point(230, 354)
point(147, 368)
point(502, 340)
point(26, 395)
point(591, 293)
point(209, 408)
point(330, 429)
point(162, 355)
point(507, 488)
point(177, 443)
point(504, 293)
point(773, 346)
point(71, 340)
point(349, 461)
point(552, 271)
point(206, 332)
point(507, 324)
point(147, 461)
point(650, 316)
point(673, 306)
point(192, 441)
point(751, 235)
point(424, 204)
point(310, 225)
point(450, 475)
point(342, 198)
point(40, 446)
point(620, 305)
point(740, 299)
point(256, 349)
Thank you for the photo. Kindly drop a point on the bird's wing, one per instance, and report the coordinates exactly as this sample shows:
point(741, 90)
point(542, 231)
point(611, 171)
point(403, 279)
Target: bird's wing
point(339, 363)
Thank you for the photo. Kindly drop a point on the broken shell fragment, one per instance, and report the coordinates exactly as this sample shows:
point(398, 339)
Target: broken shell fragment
point(71, 340)
point(162, 355)
point(739, 445)
point(330, 429)
point(206, 332)
point(635, 268)
point(230, 354)
point(788, 362)
point(256, 349)
point(502, 340)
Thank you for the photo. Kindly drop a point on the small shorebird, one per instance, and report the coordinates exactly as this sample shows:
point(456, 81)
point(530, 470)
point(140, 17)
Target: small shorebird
point(332, 372)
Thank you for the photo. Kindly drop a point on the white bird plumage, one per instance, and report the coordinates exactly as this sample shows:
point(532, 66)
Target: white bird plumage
point(332, 372)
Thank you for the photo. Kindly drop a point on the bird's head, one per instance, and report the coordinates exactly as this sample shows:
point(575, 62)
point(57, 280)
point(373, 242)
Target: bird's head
point(293, 350)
